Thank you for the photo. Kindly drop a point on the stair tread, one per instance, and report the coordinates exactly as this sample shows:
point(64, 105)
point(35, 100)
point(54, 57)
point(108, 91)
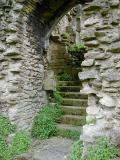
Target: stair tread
point(69, 127)
point(69, 86)
point(71, 93)
point(74, 107)
point(72, 99)
point(68, 81)
point(74, 116)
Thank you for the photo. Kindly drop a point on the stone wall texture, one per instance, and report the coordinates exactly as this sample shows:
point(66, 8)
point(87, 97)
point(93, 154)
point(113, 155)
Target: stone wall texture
point(23, 37)
point(100, 32)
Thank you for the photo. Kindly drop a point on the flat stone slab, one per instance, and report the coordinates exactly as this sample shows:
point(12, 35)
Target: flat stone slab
point(56, 148)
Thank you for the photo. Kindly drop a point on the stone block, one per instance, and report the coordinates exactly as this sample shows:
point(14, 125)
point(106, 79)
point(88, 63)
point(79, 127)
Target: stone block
point(97, 55)
point(13, 38)
point(49, 81)
point(114, 48)
point(93, 74)
point(88, 34)
point(2, 47)
point(111, 75)
point(91, 21)
point(114, 3)
point(87, 63)
point(91, 7)
point(12, 52)
point(107, 101)
point(92, 43)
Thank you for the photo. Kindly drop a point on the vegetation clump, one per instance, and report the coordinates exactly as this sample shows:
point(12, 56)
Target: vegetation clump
point(66, 35)
point(65, 77)
point(44, 124)
point(102, 150)
point(21, 141)
point(77, 53)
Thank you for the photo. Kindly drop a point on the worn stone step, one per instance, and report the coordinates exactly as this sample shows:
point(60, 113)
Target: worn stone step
point(69, 83)
point(74, 102)
point(74, 95)
point(69, 127)
point(73, 120)
point(74, 110)
point(69, 88)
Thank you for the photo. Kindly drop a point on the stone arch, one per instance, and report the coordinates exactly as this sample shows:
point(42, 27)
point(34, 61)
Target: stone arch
point(23, 35)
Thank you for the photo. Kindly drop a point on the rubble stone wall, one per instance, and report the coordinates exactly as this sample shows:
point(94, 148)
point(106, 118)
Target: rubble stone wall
point(100, 32)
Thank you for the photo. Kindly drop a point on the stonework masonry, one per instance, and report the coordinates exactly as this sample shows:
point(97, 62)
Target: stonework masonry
point(23, 34)
point(100, 32)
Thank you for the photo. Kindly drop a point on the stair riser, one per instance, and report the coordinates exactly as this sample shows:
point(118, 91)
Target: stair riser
point(69, 83)
point(73, 121)
point(69, 89)
point(74, 96)
point(71, 111)
point(75, 103)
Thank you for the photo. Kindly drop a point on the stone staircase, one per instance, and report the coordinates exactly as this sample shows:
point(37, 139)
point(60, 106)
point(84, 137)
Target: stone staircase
point(74, 106)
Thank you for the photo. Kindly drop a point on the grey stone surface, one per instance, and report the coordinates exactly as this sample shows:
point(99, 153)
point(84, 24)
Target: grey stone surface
point(56, 148)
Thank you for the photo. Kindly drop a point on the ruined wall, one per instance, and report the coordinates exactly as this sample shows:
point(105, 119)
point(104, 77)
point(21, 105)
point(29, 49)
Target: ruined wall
point(100, 32)
point(24, 28)
point(21, 68)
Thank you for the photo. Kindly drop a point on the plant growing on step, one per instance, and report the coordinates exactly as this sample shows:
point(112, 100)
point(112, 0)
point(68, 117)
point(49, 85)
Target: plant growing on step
point(65, 77)
point(21, 142)
point(44, 124)
point(102, 150)
point(70, 134)
point(77, 53)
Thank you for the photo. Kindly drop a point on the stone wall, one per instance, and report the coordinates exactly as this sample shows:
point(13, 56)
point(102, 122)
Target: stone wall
point(100, 32)
point(21, 68)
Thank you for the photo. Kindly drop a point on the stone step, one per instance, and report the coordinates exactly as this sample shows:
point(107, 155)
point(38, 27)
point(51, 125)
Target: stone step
point(69, 127)
point(69, 88)
point(69, 83)
point(74, 95)
point(73, 120)
point(74, 110)
point(74, 102)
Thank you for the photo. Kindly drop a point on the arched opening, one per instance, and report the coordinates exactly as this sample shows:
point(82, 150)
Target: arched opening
point(62, 62)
